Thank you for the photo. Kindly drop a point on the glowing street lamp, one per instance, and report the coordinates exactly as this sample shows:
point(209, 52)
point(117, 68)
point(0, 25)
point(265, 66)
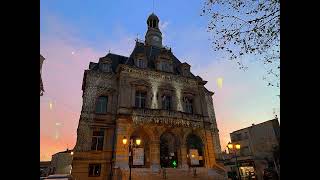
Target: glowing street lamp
point(138, 141)
point(236, 147)
point(124, 140)
point(131, 145)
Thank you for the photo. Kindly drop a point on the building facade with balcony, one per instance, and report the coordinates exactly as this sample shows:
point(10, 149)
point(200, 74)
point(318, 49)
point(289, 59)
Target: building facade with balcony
point(152, 96)
point(258, 144)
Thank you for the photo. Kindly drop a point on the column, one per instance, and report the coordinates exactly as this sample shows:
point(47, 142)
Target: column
point(184, 158)
point(121, 150)
point(210, 155)
point(155, 155)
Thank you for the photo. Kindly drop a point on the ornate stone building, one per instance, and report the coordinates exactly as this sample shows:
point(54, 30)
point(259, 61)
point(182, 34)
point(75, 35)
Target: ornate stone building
point(151, 96)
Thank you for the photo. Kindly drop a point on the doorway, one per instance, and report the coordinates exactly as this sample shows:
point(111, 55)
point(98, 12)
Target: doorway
point(168, 151)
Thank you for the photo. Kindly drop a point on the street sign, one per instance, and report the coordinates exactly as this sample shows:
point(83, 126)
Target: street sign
point(138, 156)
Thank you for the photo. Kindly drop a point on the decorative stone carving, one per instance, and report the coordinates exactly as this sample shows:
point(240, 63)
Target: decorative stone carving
point(157, 76)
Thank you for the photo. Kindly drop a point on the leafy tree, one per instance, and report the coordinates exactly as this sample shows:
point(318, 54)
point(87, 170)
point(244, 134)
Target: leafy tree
point(247, 27)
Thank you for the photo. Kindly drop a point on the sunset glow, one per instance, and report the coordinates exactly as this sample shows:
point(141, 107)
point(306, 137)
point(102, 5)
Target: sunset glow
point(75, 33)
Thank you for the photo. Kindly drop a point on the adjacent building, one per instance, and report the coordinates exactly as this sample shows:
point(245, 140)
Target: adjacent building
point(61, 162)
point(41, 84)
point(258, 144)
point(151, 96)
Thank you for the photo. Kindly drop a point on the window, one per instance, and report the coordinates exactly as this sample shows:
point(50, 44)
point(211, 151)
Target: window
point(188, 105)
point(140, 63)
point(238, 137)
point(140, 101)
point(164, 66)
point(245, 135)
point(106, 67)
point(245, 151)
point(101, 105)
point(94, 169)
point(97, 140)
point(185, 71)
point(166, 102)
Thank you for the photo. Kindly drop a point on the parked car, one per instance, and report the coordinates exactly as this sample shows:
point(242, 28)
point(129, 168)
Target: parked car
point(59, 177)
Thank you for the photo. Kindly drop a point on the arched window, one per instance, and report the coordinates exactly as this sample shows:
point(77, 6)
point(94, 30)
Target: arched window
point(166, 102)
point(140, 100)
point(188, 105)
point(101, 105)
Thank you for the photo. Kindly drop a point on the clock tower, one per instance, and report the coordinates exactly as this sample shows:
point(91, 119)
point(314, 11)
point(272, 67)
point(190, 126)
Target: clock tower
point(153, 36)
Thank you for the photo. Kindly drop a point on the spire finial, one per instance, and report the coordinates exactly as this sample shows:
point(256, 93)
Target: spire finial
point(152, 6)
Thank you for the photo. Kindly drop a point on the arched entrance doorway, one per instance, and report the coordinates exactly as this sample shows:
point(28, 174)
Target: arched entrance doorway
point(168, 150)
point(195, 151)
point(144, 149)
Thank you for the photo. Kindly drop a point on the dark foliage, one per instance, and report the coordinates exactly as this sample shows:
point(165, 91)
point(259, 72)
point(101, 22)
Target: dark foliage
point(247, 27)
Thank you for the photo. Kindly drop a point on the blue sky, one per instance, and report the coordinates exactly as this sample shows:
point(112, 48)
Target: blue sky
point(73, 33)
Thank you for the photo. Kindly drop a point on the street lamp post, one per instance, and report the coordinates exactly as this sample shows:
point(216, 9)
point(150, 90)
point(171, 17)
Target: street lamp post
point(131, 145)
point(236, 147)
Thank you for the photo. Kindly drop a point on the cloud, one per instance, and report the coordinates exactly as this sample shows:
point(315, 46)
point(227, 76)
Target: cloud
point(163, 25)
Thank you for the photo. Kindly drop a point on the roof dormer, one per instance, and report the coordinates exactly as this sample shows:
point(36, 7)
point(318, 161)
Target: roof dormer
point(105, 64)
point(185, 69)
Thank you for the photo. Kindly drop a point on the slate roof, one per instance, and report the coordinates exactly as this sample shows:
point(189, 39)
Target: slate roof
point(151, 53)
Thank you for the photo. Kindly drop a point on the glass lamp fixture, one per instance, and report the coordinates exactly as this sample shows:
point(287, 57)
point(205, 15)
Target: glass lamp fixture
point(230, 146)
point(237, 146)
point(138, 141)
point(124, 140)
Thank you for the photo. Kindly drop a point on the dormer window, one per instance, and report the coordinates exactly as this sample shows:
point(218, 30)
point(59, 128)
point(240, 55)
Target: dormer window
point(185, 69)
point(105, 64)
point(165, 66)
point(106, 67)
point(140, 63)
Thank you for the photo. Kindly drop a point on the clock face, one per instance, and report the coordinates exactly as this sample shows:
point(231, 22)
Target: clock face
point(156, 38)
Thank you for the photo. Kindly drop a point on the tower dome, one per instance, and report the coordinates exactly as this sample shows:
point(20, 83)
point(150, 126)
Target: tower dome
point(153, 36)
point(153, 21)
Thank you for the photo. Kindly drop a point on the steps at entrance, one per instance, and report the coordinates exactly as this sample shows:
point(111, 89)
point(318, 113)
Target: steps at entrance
point(172, 174)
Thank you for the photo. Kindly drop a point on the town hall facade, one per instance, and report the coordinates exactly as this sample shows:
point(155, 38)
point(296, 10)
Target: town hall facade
point(152, 97)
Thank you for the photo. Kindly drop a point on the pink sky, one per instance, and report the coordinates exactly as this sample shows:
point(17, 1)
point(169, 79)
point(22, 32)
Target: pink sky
point(243, 99)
